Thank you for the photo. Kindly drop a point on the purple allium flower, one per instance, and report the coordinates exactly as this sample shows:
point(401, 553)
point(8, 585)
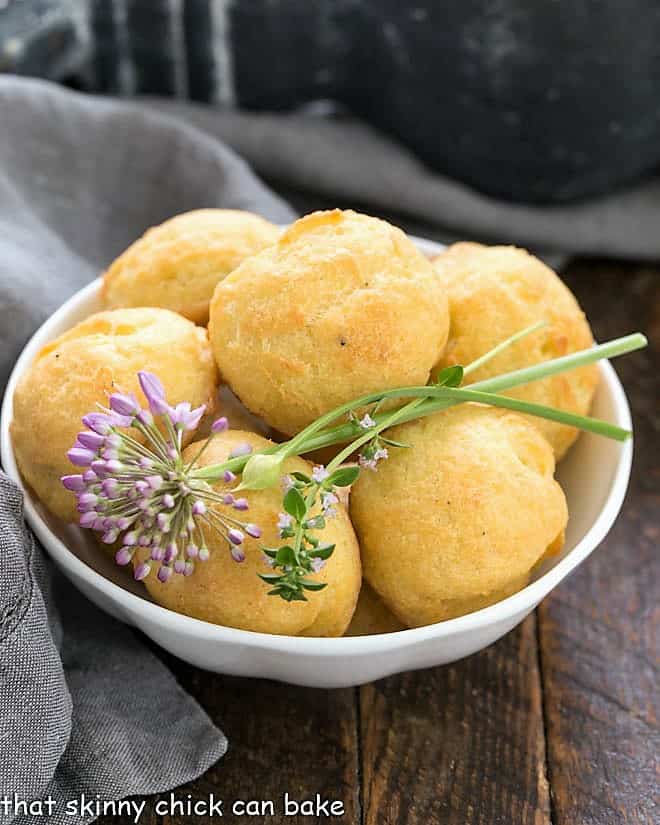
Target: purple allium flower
point(99, 423)
point(157, 553)
point(145, 417)
point(170, 552)
point(220, 425)
point(141, 571)
point(235, 536)
point(91, 440)
point(154, 392)
point(287, 483)
point(185, 418)
point(164, 573)
point(146, 495)
point(88, 498)
point(81, 456)
point(240, 450)
point(124, 404)
point(319, 474)
point(238, 554)
point(87, 519)
point(74, 483)
point(123, 556)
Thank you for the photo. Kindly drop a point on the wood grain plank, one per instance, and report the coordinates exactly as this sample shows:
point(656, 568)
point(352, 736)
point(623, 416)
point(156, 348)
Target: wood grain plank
point(458, 744)
point(281, 739)
point(598, 631)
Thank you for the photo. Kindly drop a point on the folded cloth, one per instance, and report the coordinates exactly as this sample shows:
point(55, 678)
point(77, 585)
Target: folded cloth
point(342, 160)
point(85, 707)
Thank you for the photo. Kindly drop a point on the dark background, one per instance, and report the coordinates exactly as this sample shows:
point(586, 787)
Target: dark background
point(542, 101)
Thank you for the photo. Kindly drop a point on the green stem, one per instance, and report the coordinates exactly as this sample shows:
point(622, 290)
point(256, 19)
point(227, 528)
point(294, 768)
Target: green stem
point(432, 400)
point(487, 356)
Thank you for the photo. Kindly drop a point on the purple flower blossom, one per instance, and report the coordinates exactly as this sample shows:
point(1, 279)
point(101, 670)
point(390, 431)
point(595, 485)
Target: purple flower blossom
point(74, 483)
point(183, 417)
point(102, 423)
point(154, 392)
point(240, 450)
point(220, 425)
point(164, 573)
point(319, 474)
point(146, 495)
point(81, 456)
point(141, 571)
point(235, 536)
point(91, 440)
point(124, 404)
point(123, 556)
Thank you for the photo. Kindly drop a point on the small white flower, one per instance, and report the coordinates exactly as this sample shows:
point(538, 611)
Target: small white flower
point(367, 422)
point(328, 500)
point(317, 565)
point(319, 474)
point(284, 522)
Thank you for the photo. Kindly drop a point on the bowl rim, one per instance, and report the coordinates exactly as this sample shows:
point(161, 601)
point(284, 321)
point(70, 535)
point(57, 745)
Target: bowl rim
point(134, 606)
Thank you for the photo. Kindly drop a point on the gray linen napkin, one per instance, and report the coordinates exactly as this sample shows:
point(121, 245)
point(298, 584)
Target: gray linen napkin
point(85, 707)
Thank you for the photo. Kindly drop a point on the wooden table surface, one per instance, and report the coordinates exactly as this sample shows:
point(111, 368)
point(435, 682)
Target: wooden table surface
point(555, 723)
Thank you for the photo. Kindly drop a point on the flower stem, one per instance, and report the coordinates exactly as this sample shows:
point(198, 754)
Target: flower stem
point(487, 356)
point(432, 399)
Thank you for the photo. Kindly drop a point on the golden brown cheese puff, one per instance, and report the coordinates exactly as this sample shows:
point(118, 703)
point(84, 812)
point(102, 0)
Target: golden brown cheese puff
point(342, 305)
point(371, 616)
point(225, 592)
point(177, 264)
point(457, 520)
point(98, 356)
point(497, 291)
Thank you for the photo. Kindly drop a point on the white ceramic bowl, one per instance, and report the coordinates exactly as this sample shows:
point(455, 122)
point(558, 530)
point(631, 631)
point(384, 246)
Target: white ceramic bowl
point(594, 477)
